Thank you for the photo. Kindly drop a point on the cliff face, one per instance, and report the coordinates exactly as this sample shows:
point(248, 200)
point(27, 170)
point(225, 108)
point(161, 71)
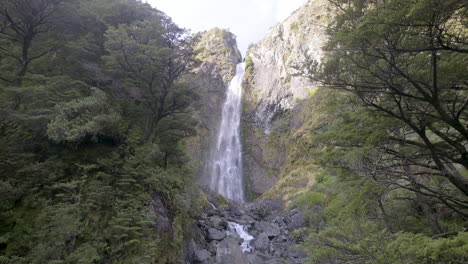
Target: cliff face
point(276, 83)
point(217, 55)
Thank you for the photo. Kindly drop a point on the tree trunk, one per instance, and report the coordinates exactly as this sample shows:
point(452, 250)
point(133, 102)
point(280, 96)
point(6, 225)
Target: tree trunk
point(149, 129)
point(27, 41)
point(166, 157)
point(431, 218)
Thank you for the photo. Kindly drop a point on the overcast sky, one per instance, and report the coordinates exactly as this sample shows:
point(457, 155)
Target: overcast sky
point(249, 20)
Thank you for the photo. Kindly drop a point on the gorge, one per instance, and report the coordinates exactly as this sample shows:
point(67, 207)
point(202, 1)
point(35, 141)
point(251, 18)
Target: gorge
point(340, 137)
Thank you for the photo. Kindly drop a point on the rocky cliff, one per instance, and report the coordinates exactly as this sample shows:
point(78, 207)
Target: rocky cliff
point(276, 83)
point(216, 54)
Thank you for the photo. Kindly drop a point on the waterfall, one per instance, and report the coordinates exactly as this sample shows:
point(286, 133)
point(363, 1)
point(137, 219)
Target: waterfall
point(226, 164)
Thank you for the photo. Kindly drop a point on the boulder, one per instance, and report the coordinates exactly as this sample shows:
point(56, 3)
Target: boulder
point(215, 234)
point(297, 219)
point(229, 252)
point(200, 256)
point(262, 209)
point(255, 259)
point(262, 242)
point(272, 230)
point(217, 222)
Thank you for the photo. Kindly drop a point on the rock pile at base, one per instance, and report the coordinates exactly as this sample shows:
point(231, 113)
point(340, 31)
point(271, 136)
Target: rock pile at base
point(265, 220)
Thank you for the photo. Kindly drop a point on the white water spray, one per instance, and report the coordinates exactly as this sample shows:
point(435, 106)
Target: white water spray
point(226, 170)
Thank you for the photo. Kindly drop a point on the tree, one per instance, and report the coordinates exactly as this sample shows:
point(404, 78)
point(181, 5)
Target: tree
point(354, 211)
point(22, 22)
point(406, 60)
point(171, 133)
point(149, 58)
point(76, 185)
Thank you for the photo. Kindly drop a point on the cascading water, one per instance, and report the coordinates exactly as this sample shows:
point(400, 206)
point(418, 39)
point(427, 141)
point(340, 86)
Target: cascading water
point(240, 230)
point(226, 165)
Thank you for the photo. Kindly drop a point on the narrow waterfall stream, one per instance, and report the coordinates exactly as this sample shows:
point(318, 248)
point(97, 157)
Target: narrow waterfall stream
point(246, 237)
point(226, 170)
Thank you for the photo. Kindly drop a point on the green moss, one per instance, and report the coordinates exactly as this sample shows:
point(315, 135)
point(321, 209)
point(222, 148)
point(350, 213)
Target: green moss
point(287, 55)
point(294, 26)
point(249, 69)
point(313, 92)
point(211, 48)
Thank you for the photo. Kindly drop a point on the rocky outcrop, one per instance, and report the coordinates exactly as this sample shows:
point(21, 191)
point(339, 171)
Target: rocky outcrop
point(277, 79)
point(214, 241)
point(164, 221)
point(278, 65)
point(216, 54)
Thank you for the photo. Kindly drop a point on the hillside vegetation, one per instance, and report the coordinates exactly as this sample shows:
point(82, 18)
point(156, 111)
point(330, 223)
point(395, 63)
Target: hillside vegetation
point(94, 111)
point(377, 157)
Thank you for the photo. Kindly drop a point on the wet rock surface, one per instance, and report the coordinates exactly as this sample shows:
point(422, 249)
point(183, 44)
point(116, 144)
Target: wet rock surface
point(214, 242)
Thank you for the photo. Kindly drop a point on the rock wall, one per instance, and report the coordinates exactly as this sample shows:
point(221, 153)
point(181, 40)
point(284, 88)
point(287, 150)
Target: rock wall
point(277, 80)
point(217, 54)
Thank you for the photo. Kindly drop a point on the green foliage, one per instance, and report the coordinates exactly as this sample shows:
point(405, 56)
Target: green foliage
point(384, 136)
point(87, 117)
point(150, 57)
point(30, 30)
point(308, 199)
point(346, 225)
point(352, 215)
point(102, 211)
point(411, 72)
point(420, 249)
point(210, 49)
point(77, 182)
point(365, 243)
point(294, 26)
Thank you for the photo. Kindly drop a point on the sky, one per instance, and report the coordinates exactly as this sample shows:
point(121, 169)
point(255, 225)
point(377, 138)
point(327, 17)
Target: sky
point(249, 20)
